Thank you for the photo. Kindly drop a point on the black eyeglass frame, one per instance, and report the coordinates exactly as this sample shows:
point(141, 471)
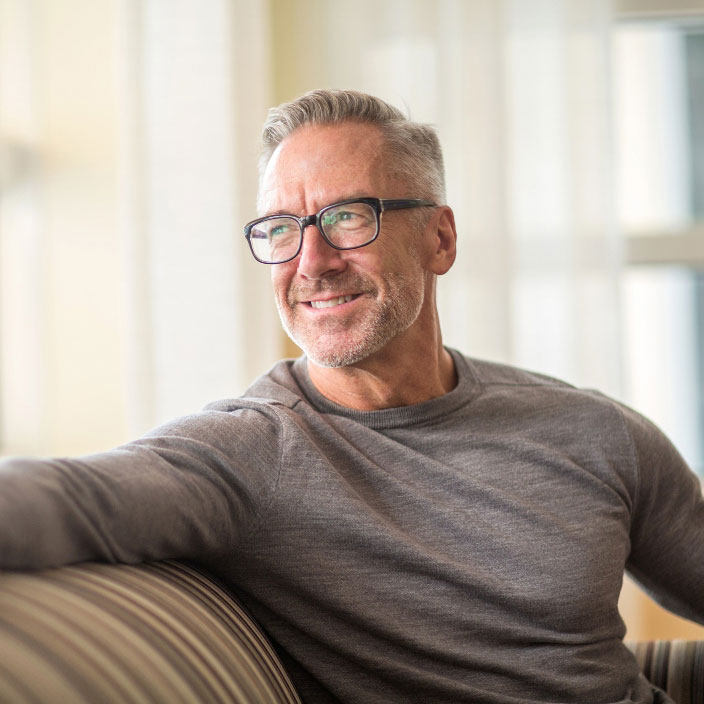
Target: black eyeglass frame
point(379, 205)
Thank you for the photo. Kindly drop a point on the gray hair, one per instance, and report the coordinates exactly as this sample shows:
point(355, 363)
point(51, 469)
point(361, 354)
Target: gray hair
point(414, 148)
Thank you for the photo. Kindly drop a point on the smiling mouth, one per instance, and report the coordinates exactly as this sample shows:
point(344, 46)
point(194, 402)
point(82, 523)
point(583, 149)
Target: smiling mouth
point(332, 302)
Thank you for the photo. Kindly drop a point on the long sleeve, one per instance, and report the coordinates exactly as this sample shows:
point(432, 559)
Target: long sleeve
point(190, 488)
point(667, 533)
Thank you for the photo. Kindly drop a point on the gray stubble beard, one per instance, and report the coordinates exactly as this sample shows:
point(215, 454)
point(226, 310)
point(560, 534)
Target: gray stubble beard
point(371, 334)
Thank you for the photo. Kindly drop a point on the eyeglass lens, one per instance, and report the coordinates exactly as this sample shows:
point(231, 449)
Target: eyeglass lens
point(346, 226)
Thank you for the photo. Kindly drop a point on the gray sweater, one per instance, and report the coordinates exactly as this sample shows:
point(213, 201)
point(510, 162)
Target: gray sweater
point(470, 548)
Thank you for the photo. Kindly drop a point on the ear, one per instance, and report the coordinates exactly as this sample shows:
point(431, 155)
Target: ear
point(441, 238)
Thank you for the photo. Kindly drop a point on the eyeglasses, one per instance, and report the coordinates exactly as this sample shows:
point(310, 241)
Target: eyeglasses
point(349, 224)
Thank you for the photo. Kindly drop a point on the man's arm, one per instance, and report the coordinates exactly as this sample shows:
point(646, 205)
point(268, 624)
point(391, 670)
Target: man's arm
point(189, 488)
point(667, 531)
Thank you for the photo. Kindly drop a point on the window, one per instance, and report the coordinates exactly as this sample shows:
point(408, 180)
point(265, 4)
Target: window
point(659, 118)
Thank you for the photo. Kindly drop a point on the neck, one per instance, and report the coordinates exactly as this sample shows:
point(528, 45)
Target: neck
point(389, 378)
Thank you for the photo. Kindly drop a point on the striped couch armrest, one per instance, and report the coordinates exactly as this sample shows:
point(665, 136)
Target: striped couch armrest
point(676, 666)
point(157, 632)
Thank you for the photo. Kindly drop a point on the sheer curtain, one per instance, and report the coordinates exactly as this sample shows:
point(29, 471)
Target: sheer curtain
point(129, 131)
point(128, 137)
point(202, 324)
point(520, 95)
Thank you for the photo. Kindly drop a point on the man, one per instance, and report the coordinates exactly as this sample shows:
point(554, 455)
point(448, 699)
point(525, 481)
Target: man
point(408, 525)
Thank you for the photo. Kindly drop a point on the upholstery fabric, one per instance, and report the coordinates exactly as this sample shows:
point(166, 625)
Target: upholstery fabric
point(159, 632)
point(167, 632)
point(677, 667)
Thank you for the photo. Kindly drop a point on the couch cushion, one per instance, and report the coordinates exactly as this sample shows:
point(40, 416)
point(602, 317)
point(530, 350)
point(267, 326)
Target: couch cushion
point(676, 666)
point(160, 632)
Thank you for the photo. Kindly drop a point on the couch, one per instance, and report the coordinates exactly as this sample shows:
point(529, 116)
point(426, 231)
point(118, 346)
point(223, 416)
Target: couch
point(168, 632)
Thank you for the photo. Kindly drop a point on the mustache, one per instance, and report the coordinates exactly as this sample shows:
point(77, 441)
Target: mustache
point(342, 284)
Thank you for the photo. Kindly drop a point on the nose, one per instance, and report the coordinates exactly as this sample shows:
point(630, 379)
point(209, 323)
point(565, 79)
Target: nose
point(318, 259)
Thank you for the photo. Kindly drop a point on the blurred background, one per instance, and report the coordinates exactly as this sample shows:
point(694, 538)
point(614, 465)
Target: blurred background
point(574, 141)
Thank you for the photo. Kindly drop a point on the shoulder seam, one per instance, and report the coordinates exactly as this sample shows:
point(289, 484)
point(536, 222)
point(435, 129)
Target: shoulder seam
point(634, 457)
point(264, 510)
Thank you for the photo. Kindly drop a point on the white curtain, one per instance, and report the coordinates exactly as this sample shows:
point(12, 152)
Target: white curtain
point(127, 167)
point(128, 133)
point(520, 93)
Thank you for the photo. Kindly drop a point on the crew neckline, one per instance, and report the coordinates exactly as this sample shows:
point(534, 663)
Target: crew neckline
point(424, 412)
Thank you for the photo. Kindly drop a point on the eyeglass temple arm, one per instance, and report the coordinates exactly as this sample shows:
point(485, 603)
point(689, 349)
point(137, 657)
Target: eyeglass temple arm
point(391, 204)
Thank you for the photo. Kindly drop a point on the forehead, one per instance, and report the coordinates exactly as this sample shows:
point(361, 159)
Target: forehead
point(318, 164)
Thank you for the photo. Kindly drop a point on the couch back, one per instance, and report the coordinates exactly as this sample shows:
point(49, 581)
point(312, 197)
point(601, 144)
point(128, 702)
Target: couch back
point(160, 632)
point(168, 632)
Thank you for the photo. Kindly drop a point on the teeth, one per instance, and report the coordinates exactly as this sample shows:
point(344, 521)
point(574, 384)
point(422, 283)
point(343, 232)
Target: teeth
point(332, 302)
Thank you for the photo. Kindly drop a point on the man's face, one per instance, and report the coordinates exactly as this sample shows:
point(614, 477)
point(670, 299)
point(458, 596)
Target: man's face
point(341, 307)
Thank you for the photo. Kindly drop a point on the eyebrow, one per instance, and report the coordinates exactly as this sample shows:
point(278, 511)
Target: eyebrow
point(332, 202)
point(278, 212)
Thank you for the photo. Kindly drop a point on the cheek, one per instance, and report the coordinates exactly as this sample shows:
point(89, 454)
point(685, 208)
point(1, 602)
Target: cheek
point(374, 259)
point(281, 274)
point(280, 281)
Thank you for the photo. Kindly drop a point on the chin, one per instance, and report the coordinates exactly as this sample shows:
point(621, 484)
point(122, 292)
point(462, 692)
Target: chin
point(328, 349)
point(335, 358)
point(342, 350)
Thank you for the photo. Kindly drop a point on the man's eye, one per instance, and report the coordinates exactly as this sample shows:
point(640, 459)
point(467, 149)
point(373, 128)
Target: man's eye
point(340, 216)
point(279, 230)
